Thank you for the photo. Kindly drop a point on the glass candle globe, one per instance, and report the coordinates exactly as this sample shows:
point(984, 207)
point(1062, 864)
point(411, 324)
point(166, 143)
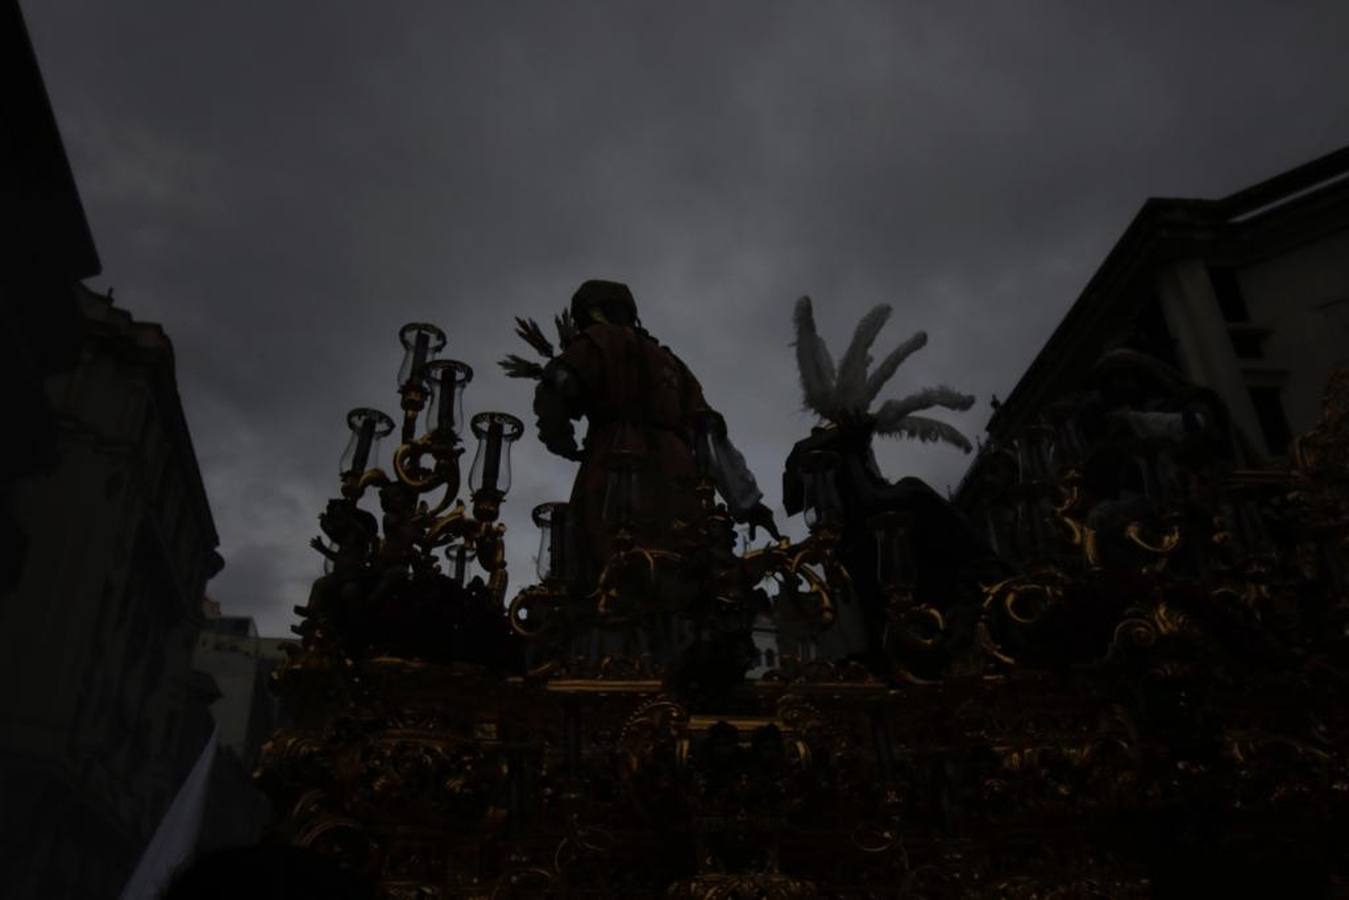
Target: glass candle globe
point(552, 559)
point(446, 379)
point(367, 426)
point(421, 342)
point(491, 472)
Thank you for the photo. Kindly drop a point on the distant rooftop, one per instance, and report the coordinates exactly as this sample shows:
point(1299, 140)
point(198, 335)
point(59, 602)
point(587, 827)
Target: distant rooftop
point(235, 626)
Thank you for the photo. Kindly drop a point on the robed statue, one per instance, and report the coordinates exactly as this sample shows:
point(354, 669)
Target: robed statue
point(650, 433)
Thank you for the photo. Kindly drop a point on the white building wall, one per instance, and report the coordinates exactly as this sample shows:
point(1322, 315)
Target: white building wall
point(1203, 347)
point(1303, 296)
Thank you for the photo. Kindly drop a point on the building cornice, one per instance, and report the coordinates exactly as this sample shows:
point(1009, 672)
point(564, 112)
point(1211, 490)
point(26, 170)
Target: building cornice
point(1294, 208)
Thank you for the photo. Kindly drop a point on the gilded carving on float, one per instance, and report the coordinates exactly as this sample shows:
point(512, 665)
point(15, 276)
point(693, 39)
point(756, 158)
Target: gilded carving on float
point(1042, 725)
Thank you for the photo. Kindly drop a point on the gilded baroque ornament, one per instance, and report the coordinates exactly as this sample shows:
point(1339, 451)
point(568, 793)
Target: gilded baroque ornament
point(1149, 685)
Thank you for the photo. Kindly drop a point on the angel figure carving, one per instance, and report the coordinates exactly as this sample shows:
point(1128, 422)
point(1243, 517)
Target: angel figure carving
point(942, 546)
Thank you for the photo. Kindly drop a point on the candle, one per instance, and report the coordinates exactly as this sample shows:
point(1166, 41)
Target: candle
point(490, 478)
point(491, 466)
point(419, 355)
point(445, 402)
point(363, 442)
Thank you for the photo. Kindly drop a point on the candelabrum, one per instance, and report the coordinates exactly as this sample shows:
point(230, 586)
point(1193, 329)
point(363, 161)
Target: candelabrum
point(1112, 698)
point(376, 570)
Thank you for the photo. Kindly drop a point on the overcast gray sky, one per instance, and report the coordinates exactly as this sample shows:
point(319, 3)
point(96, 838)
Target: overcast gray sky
point(283, 184)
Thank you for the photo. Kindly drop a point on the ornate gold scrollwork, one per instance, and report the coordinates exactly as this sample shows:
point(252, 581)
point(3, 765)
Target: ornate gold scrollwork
point(525, 883)
point(1016, 606)
point(786, 560)
point(407, 464)
point(1025, 599)
point(822, 779)
point(1168, 544)
point(536, 596)
point(764, 886)
point(660, 717)
point(1137, 632)
point(607, 596)
point(1068, 510)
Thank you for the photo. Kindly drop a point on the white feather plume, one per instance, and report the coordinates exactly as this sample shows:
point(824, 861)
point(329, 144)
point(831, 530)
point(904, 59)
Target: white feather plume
point(894, 410)
point(925, 429)
point(850, 394)
point(890, 364)
point(814, 362)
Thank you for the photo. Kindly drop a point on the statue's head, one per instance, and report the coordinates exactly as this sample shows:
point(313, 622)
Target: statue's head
point(343, 521)
point(603, 301)
point(1127, 377)
point(833, 442)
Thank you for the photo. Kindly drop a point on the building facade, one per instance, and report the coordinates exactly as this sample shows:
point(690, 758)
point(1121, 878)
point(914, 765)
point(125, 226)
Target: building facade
point(45, 250)
point(240, 662)
point(1238, 306)
point(1247, 295)
point(104, 713)
point(105, 536)
point(106, 544)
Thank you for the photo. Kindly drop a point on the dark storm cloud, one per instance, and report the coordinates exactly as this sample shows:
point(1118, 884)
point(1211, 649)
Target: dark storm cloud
point(283, 184)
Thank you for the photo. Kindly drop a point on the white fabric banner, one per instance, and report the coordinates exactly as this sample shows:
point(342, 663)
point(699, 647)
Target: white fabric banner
point(176, 837)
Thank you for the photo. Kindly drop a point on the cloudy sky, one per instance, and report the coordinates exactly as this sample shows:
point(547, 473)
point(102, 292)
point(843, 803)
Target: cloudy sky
point(283, 184)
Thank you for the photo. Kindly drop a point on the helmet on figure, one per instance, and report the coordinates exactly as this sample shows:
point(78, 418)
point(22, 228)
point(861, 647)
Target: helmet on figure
point(603, 301)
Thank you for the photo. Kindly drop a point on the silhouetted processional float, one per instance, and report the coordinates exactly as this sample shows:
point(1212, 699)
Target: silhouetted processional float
point(1120, 669)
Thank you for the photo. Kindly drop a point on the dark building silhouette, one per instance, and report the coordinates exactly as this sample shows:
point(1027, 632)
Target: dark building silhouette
point(104, 713)
point(1247, 295)
point(1203, 343)
point(106, 544)
point(45, 249)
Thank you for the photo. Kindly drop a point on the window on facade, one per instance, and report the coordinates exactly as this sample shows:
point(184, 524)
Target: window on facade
point(769, 658)
point(1273, 421)
point(1228, 291)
